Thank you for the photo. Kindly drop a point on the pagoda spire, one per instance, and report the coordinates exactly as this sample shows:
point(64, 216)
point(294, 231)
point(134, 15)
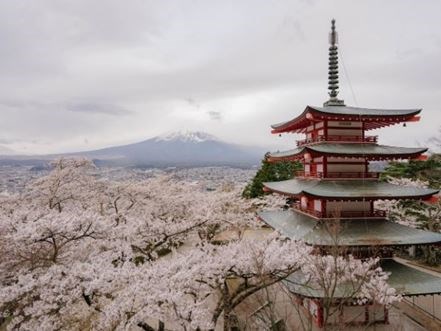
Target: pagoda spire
point(333, 69)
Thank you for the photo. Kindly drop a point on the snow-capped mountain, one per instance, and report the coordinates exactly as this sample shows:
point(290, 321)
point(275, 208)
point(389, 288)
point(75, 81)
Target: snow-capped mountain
point(183, 148)
point(180, 149)
point(186, 136)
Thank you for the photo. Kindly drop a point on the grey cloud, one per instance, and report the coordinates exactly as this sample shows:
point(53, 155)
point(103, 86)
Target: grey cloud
point(7, 141)
point(91, 108)
point(63, 59)
point(214, 115)
point(403, 54)
point(192, 102)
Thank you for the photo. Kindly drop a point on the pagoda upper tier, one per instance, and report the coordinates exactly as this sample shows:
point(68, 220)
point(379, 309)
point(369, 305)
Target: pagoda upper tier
point(370, 118)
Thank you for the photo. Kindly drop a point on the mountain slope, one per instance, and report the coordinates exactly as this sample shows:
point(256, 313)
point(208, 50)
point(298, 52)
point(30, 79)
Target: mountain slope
point(178, 149)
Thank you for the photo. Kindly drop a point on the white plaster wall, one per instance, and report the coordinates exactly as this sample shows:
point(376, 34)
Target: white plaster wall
point(307, 168)
point(317, 205)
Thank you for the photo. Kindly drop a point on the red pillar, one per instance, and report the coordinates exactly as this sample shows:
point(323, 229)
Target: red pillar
point(362, 131)
point(320, 317)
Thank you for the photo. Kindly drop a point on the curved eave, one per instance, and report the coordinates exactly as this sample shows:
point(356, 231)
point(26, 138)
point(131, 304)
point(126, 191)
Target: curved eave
point(364, 112)
point(370, 151)
point(347, 189)
point(374, 118)
point(353, 232)
point(292, 125)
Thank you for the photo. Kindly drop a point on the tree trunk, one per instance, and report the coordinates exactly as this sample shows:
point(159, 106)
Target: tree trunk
point(145, 326)
point(227, 316)
point(227, 307)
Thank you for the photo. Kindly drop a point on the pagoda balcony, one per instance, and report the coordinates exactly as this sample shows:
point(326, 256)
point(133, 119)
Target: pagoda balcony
point(342, 139)
point(342, 214)
point(339, 175)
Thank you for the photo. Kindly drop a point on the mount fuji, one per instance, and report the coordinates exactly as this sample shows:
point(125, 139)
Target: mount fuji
point(175, 149)
point(181, 149)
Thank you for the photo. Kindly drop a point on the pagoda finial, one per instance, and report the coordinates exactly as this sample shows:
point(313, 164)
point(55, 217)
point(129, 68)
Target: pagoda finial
point(333, 69)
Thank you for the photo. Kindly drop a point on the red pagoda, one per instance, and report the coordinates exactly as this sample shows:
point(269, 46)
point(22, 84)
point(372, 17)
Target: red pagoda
point(336, 183)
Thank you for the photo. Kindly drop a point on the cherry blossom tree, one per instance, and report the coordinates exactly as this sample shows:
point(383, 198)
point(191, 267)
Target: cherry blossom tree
point(81, 252)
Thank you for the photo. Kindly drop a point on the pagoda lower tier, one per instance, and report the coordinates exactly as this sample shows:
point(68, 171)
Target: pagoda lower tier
point(407, 280)
point(363, 238)
point(347, 189)
point(357, 232)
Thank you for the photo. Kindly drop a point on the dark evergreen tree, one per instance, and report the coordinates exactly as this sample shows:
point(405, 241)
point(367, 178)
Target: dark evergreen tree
point(427, 215)
point(429, 171)
point(268, 172)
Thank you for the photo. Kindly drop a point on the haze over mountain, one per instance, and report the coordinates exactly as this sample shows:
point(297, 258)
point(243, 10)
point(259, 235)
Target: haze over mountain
point(184, 148)
point(6, 151)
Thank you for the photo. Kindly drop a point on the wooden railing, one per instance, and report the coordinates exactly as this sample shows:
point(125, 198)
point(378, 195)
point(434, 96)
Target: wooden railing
point(351, 139)
point(352, 175)
point(338, 175)
point(342, 214)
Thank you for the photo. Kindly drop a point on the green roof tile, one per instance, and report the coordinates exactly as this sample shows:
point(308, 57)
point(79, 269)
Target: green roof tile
point(348, 189)
point(353, 232)
point(349, 111)
point(352, 150)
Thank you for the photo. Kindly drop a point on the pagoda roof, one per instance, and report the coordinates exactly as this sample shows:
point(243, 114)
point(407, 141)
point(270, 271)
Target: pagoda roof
point(373, 117)
point(348, 189)
point(349, 149)
point(407, 280)
point(351, 232)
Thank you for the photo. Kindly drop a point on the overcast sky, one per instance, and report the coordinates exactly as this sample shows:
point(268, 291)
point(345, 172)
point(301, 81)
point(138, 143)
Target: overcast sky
point(78, 75)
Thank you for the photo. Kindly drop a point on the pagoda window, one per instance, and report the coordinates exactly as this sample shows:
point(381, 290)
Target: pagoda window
point(307, 169)
point(304, 202)
point(318, 205)
point(319, 125)
point(319, 168)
